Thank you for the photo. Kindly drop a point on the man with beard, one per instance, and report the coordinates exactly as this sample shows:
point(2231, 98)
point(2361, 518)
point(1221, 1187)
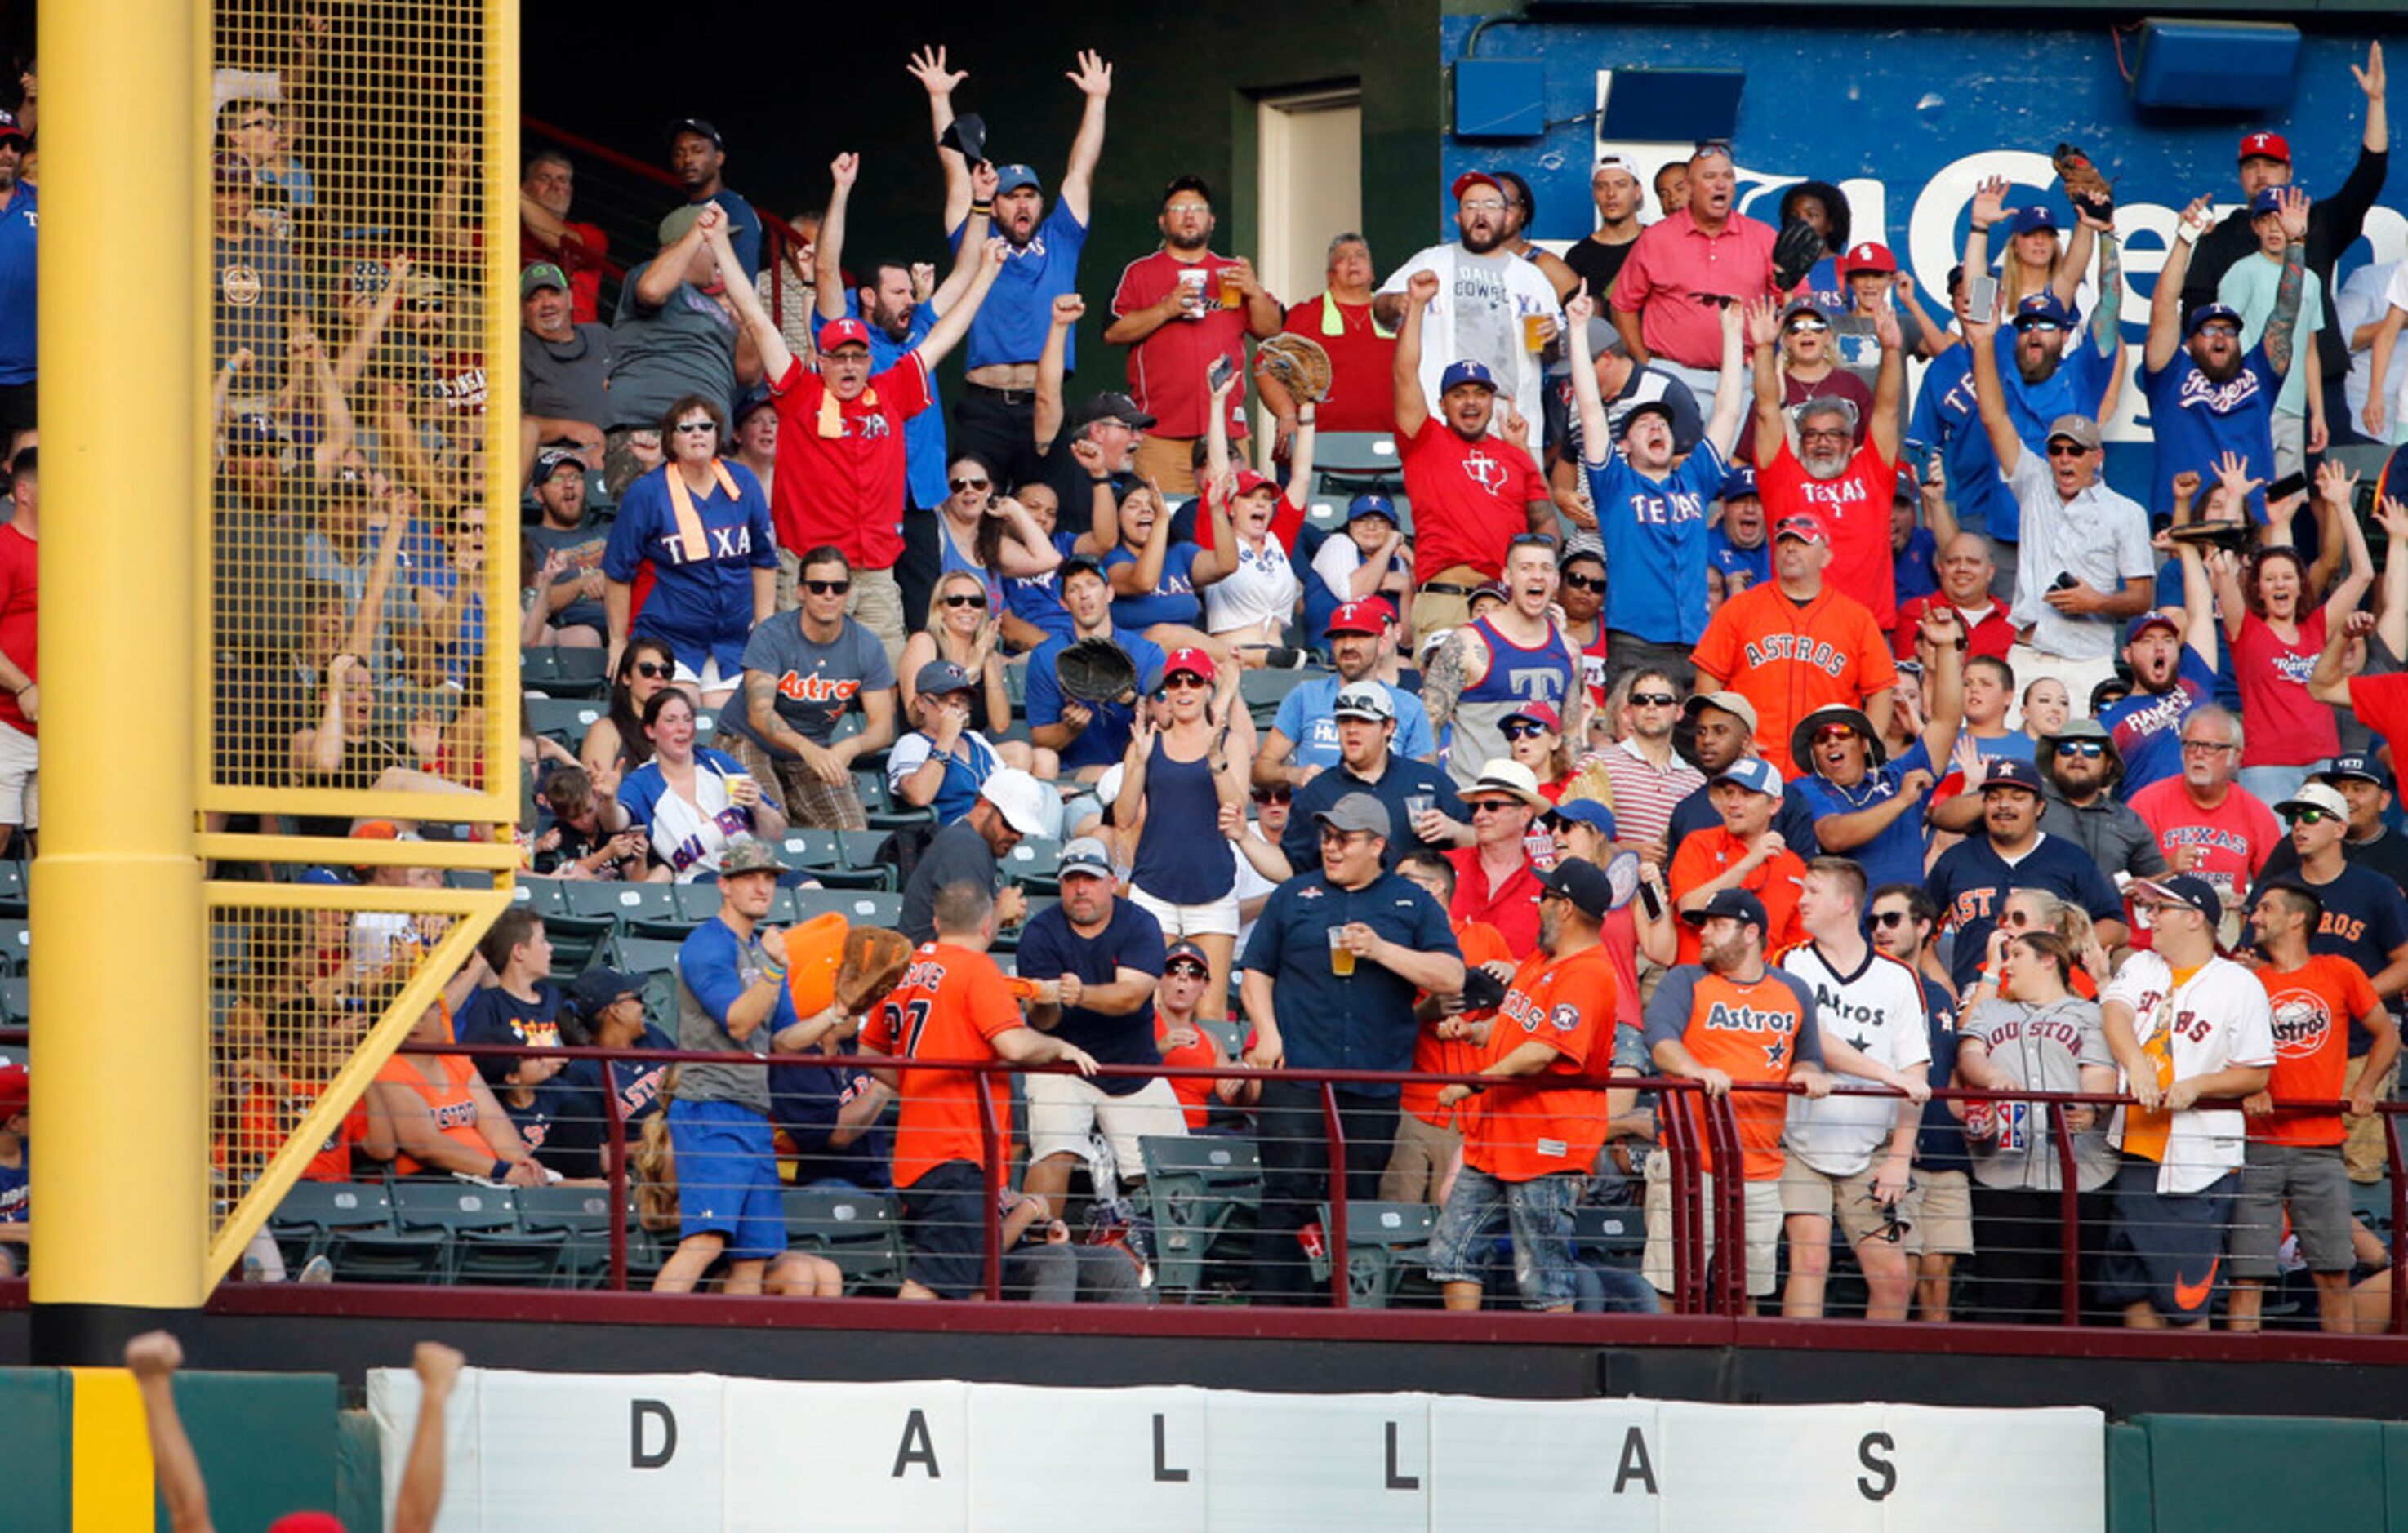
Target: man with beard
point(1841, 468)
point(995, 417)
point(1967, 567)
point(1866, 805)
point(1303, 738)
point(571, 547)
point(2207, 397)
point(2173, 671)
point(696, 156)
point(1478, 307)
point(2051, 379)
point(1088, 738)
point(1598, 260)
point(2079, 771)
point(1493, 665)
point(1472, 493)
point(1361, 349)
point(1172, 310)
point(896, 323)
point(564, 366)
point(1651, 514)
point(547, 236)
point(1726, 728)
point(2205, 821)
point(1369, 763)
point(1970, 881)
point(1683, 267)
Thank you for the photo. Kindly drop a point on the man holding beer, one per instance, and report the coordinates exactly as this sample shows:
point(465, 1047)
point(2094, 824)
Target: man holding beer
point(1344, 948)
point(1179, 311)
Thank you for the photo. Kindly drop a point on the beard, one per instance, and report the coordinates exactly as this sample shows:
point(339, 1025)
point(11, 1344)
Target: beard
point(2220, 372)
point(1483, 244)
point(1825, 463)
point(1185, 245)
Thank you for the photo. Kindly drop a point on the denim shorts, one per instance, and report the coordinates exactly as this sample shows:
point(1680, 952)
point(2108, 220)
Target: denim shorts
point(1539, 1214)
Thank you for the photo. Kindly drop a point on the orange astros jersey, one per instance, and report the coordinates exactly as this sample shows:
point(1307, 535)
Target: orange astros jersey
point(1790, 658)
point(1756, 1031)
point(952, 1003)
point(1527, 1128)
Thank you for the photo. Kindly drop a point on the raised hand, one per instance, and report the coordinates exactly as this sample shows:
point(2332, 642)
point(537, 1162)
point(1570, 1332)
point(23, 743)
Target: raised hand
point(2292, 207)
point(2370, 79)
point(1094, 77)
point(2200, 214)
point(928, 66)
point(984, 181)
point(2232, 473)
point(2335, 483)
point(1763, 322)
point(1069, 309)
point(1989, 202)
point(1422, 287)
point(1886, 329)
point(1580, 309)
point(844, 170)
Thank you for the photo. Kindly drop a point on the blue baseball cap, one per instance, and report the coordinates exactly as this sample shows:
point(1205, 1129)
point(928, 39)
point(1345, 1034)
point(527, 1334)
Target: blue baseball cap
point(1741, 481)
point(2352, 767)
point(1372, 502)
point(1585, 811)
point(1014, 177)
point(2208, 313)
point(1466, 372)
point(2032, 219)
point(2146, 621)
point(1754, 774)
point(2011, 772)
point(2042, 308)
point(2268, 200)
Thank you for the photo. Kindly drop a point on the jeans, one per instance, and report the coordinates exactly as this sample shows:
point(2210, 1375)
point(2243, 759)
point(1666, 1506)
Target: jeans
point(1539, 1214)
point(1294, 1141)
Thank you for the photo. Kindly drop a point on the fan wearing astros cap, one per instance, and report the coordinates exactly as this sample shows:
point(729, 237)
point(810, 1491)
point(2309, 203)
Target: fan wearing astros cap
point(1797, 645)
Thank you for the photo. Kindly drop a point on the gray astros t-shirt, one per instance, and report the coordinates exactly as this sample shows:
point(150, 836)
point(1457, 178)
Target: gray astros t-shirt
point(816, 682)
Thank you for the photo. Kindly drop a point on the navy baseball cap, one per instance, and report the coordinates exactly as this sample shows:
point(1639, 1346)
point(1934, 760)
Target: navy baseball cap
point(2209, 313)
point(2011, 772)
point(1583, 883)
point(1739, 481)
point(1372, 502)
point(1651, 407)
point(1183, 951)
point(599, 987)
point(1012, 178)
point(2042, 308)
point(1738, 904)
point(2147, 620)
point(2268, 200)
point(2187, 890)
point(1467, 372)
point(2032, 219)
point(549, 462)
point(2352, 766)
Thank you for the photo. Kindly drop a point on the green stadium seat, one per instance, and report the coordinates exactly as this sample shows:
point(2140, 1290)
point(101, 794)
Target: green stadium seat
point(885, 811)
point(351, 1225)
point(1034, 864)
point(467, 878)
point(1614, 1236)
point(862, 907)
point(1383, 1242)
point(575, 940)
point(566, 672)
point(17, 945)
point(16, 1000)
point(313, 1213)
point(1230, 1032)
point(564, 718)
point(1194, 1186)
point(1262, 690)
point(545, 897)
point(811, 848)
point(861, 1232)
point(643, 954)
point(623, 902)
point(580, 1217)
point(479, 1226)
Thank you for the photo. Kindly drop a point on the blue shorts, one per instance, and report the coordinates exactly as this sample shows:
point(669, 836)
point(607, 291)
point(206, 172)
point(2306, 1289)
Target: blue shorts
point(944, 1227)
point(727, 1178)
point(2165, 1248)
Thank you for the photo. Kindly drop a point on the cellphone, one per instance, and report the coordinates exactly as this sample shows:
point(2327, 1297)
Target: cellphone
point(2064, 581)
point(1647, 897)
point(1222, 370)
point(2286, 487)
point(1982, 298)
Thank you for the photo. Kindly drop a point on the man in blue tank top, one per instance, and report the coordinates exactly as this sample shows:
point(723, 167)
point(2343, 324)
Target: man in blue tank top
point(1514, 656)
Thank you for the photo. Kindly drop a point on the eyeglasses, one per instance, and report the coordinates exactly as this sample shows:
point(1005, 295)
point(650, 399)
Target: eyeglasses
point(655, 669)
point(961, 484)
point(1184, 208)
point(1586, 583)
point(975, 598)
point(1274, 795)
point(2205, 748)
point(1483, 205)
point(827, 588)
point(1330, 833)
point(2225, 330)
point(2066, 449)
point(1652, 699)
point(2087, 750)
point(1522, 729)
point(2311, 816)
point(1823, 434)
point(1181, 681)
point(691, 428)
point(1886, 919)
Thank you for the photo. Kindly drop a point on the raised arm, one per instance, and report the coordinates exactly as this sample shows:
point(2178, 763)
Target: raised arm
point(1595, 450)
point(777, 360)
point(2292, 209)
point(1094, 79)
point(2338, 486)
point(1731, 386)
point(1889, 384)
point(2165, 300)
point(928, 67)
point(1764, 346)
point(2106, 320)
point(1412, 407)
point(1990, 393)
point(827, 255)
point(2391, 614)
point(1026, 550)
point(2068, 280)
point(954, 324)
point(1050, 409)
point(975, 230)
point(353, 359)
point(153, 1359)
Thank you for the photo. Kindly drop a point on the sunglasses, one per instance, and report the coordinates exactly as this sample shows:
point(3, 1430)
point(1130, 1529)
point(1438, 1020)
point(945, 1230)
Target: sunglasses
point(655, 669)
point(827, 588)
point(2311, 816)
point(1586, 583)
point(1798, 327)
point(2087, 750)
point(1188, 971)
point(961, 484)
point(2066, 449)
point(1522, 729)
point(1834, 732)
point(1493, 805)
point(975, 598)
point(694, 428)
point(1274, 795)
point(1886, 919)
point(1652, 699)
point(1179, 682)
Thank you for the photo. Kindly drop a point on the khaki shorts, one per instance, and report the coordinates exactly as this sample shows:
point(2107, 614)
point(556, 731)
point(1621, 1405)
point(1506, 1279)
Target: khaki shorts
point(1846, 1200)
point(1064, 1110)
point(1939, 1207)
point(1419, 1161)
point(1762, 1232)
point(2362, 1153)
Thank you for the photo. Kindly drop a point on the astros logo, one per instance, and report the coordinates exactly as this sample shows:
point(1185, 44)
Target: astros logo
point(2301, 1025)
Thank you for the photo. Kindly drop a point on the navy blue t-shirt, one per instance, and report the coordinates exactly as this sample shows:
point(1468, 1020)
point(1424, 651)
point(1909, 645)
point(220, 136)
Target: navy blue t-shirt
point(1970, 881)
point(1132, 939)
point(1364, 1020)
point(805, 1100)
point(570, 1102)
point(1940, 1146)
point(2147, 726)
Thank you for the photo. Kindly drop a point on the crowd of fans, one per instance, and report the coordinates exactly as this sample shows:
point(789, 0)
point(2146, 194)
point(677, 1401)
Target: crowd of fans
point(1685, 704)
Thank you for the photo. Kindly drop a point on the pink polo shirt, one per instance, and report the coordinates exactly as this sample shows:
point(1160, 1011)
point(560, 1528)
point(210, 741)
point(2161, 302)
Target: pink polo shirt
point(1674, 265)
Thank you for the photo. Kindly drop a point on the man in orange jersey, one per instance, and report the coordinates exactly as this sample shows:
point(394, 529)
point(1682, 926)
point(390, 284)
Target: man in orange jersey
point(1743, 853)
point(952, 1003)
point(2293, 1160)
point(1797, 645)
point(1534, 1134)
point(1429, 1138)
point(1730, 1018)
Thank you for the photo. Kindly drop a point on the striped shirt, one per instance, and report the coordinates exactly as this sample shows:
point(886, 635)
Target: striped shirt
point(1644, 794)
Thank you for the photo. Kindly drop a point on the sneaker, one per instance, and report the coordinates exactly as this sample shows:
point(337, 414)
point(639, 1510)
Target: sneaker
point(317, 1269)
point(253, 1270)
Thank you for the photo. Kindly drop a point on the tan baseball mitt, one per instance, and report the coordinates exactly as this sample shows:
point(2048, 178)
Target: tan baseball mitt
point(1300, 364)
point(874, 961)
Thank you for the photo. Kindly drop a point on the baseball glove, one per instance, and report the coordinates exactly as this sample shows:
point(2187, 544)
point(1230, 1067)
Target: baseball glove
point(1300, 364)
point(874, 961)
point(2089, 191)
point(1096, 670)
point(1794, 252)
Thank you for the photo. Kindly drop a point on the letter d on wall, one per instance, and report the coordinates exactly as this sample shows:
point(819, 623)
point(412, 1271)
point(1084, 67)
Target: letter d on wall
point(638, 1412)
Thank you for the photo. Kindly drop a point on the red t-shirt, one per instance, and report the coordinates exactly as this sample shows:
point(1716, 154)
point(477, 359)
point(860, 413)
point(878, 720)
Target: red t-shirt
point(1994, 636)
point(1194, 1092)
point(1856, 507)
point(1512, 908)
point(20, 581)
point(2234, 838)
point(582, 249)
point(2381, 703)
point(1533, 1125)
point(2286, 726)
point(839, 475)
point(1839, 383)
point(1470, 499)
point(1436, 1055)
point(2314, 1006)
point(951, 1004)
point(1362, 380)
point(1777, 880)
point(1166, 370)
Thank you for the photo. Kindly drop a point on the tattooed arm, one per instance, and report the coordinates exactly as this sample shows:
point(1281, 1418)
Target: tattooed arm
point(1448, 673)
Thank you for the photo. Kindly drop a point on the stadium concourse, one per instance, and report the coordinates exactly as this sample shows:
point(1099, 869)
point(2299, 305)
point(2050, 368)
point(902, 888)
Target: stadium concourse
point(1597, 766)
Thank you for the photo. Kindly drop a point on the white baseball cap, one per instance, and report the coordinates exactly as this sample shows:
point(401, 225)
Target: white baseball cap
point(1018, 796)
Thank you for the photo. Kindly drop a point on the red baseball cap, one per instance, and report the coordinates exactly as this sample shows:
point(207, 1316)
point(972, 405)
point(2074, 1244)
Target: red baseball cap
point(1248, 481)
point(1537, 713)
point(2266, 146)
point(1805, 526)
point(838, 333)
point(1191, 660)
point(1872, 255)
point(1477, 177)
point(16, 1090)
point(1367, 616)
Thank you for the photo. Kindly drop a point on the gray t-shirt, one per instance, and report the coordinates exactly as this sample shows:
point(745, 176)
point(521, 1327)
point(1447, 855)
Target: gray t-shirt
point(2039, 1048)
point(568, 380)
point(660, 355)
point(959, 854)
point(582, 544)
point(816, 682)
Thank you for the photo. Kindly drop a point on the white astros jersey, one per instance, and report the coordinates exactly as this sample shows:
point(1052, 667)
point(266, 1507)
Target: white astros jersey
point(2219, 1017)
point(1879, 1011)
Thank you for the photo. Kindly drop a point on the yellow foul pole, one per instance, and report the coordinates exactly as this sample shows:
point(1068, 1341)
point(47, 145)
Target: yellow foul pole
point(121, 1192)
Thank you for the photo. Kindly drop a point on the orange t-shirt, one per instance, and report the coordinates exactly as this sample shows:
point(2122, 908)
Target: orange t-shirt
point(1790, 658)
point(2314, 1006)
point(266, 1118)
point(1526, 1128)
point(453, 1108)
point(1482, 943)
point(1194, 1092)
point(1708, 854)
point(1750, 1032)
point(952, 1003)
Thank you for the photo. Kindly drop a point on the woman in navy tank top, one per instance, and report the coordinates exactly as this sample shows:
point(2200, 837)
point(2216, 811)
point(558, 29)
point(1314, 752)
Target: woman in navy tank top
point(1181, 796)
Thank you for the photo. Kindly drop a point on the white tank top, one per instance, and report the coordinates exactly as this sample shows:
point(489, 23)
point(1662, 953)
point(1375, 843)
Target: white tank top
point(1263, 588)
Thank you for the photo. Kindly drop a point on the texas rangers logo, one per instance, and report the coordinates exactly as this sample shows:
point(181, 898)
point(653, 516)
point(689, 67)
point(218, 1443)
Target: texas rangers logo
point(2198, 392)
point(1483, 470)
